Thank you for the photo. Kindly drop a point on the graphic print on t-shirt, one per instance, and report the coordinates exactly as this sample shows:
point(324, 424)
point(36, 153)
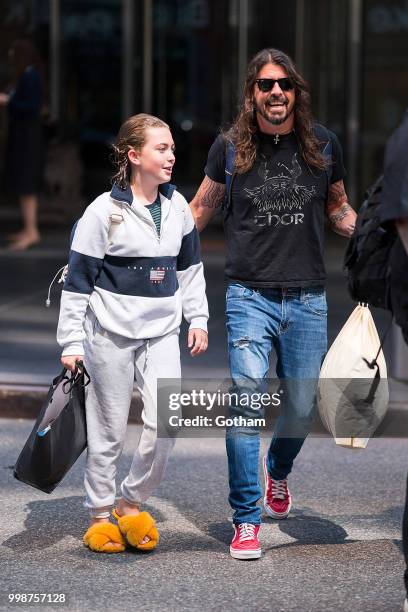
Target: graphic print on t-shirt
point(274, 220)
point(280, 193)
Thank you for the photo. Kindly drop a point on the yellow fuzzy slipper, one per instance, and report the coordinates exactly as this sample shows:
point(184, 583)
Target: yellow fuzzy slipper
point(102, 537)
point(135, 527)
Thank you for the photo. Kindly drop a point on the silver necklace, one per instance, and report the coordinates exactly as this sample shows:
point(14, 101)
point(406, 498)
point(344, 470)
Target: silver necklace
point(276, 137)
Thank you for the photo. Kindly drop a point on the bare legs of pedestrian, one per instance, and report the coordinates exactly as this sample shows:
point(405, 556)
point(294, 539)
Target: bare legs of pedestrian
point(29, 235)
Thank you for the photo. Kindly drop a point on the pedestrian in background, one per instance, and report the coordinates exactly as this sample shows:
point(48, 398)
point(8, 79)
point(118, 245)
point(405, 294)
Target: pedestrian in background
point(121, 308)
point(287, 177)
point(25, 149)
point(394, 207)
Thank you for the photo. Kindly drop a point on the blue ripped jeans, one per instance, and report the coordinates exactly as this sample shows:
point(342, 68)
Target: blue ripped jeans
point(293, 322)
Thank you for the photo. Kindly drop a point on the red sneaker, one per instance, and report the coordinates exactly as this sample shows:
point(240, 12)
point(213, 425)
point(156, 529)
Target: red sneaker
point(277, 500)
point(245, 543)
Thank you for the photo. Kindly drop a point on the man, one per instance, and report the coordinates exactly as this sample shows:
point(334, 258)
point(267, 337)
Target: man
point(394, 205)
point(282, 187)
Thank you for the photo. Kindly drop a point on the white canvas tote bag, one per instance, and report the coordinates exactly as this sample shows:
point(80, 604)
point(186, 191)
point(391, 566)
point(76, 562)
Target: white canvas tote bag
point(352, 397)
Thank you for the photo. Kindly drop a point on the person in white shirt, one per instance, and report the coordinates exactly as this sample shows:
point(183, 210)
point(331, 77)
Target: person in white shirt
point(134, 270)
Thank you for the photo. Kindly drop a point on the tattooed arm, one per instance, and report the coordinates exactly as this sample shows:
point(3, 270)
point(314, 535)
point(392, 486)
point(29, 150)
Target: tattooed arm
point(339, 212)
point(207, 200)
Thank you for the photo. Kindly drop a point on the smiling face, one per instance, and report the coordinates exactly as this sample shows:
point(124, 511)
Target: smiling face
point(274, 107)
point(156, 159)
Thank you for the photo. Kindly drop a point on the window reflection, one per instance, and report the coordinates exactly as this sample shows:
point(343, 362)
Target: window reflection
point(192, 59)
point(385, 82)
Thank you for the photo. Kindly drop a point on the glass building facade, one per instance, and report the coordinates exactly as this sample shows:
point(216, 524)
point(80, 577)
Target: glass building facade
point(184, 61)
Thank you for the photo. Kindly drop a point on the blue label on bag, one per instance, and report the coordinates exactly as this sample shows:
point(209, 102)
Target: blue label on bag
point(44, 431)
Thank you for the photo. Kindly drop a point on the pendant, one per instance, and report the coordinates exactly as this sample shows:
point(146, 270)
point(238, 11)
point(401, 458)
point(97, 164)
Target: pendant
point(276, 140)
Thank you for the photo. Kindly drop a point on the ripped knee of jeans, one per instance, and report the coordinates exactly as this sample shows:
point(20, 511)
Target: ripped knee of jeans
point(242, 343)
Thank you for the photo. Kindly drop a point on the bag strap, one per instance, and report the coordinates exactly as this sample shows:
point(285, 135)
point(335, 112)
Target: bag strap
point(373, 363)
point(229, 165)
point(323, 133)
point(229, 174)
point(115, 219)
point(80, 376)
point(58, 379)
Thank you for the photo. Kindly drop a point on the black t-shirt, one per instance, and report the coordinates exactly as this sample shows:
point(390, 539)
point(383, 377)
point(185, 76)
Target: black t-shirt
point(274, 227)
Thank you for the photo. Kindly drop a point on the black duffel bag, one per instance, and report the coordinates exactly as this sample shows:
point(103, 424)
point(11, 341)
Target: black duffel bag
point(367, 258)
point(59, 436)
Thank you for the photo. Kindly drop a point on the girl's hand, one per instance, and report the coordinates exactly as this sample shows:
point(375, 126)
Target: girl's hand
point(198, 340)
point(69, 362)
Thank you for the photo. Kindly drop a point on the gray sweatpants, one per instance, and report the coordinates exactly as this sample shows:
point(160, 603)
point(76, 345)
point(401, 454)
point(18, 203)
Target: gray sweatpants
point(113, 363)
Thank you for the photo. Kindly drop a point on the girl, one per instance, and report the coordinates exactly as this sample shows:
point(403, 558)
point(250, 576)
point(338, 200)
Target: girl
point(134, 269)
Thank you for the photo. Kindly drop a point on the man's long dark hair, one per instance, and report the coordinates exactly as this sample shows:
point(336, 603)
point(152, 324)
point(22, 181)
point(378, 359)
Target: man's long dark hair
point(242, 132)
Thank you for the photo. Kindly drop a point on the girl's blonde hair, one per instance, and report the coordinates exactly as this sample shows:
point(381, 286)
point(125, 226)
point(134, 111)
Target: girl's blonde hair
point(132, 135)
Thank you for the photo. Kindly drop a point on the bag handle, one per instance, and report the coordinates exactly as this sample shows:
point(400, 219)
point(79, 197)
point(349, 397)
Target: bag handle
point(58, 379)
point(86, 379)
point(80, 376)
point(373, 363)
point(115, 219)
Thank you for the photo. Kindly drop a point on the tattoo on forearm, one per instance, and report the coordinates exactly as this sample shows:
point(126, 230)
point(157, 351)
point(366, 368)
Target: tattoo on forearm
point(210, 194)
point(340, 214)
point(337, 220)
point(337, 196)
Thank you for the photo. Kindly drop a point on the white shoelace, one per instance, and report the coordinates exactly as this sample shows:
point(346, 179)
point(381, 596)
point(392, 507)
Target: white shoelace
point(279, 488)
point(246, 531)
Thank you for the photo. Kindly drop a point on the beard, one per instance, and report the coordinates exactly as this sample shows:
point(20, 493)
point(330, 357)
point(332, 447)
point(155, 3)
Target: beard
point(274, 119)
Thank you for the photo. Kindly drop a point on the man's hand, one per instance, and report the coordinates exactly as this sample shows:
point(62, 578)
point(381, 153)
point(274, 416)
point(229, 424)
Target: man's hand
point(341, 216)
point(207, 200)
point(69, 362)
point(197, 341)
point(4, 99)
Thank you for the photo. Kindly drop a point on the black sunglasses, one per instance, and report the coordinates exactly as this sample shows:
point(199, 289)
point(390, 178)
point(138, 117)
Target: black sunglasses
point(286, 84)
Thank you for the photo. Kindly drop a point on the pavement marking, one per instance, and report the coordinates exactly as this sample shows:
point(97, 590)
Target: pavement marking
point(356, 533)
point(45, 253)
point(22, 300)
point(173, 516)
point(272, 533)
point(21, 336)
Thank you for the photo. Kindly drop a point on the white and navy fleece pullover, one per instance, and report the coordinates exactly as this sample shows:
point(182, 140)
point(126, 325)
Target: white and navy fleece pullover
point(138, 284)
